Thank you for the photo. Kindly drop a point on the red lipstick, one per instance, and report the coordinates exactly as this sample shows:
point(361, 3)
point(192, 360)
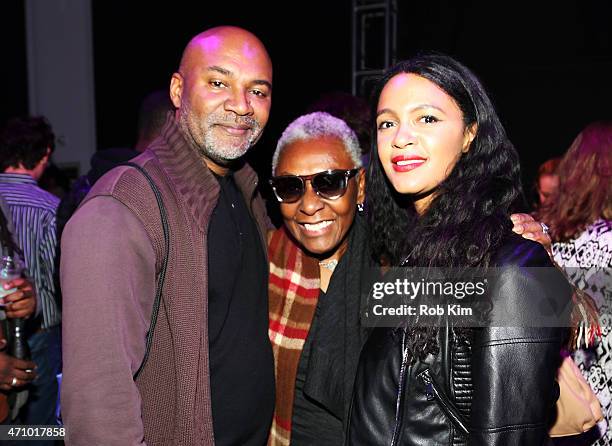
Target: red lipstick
point(406, 163)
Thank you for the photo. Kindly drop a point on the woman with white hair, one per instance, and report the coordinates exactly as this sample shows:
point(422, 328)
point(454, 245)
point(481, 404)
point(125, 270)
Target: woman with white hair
point(314, 317)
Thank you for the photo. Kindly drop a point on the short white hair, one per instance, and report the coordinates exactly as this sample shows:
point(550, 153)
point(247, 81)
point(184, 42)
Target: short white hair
point(317, 125)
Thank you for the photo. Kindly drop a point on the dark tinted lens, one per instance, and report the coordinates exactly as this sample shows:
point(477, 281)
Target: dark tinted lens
point(330, 185)
point(288, 188)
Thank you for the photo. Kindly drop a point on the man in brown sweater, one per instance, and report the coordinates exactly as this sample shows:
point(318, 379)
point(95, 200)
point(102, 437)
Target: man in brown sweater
point(209, 375)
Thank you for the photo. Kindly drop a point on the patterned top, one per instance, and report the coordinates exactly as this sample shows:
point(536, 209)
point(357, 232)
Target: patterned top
point(33, 210)
point(588, 260)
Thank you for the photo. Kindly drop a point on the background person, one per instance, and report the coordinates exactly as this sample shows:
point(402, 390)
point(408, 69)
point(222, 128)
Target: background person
point(14, 373)
point(26, 144)
point(579, 214)
point(152, 115)
point(547, 181)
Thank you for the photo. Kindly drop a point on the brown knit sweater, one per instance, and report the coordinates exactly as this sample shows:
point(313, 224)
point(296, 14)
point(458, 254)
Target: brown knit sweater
point(174, 387)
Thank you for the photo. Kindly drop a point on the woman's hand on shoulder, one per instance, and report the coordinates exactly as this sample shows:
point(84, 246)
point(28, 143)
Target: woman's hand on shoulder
point(526, 226)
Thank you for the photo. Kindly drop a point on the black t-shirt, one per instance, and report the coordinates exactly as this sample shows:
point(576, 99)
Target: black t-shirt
point(311, 423)
point(241, 361)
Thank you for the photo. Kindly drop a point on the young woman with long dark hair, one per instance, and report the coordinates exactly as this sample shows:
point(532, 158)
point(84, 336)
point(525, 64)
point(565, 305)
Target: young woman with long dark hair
point(442, 181)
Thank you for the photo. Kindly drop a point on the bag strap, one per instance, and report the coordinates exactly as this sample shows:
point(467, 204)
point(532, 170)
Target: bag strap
point(164, 266)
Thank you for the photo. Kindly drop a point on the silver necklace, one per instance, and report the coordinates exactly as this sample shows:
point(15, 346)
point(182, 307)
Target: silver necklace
point(329, 264)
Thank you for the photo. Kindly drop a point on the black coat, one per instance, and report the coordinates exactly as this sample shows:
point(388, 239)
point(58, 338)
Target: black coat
point(338, 335)
point(495, 387)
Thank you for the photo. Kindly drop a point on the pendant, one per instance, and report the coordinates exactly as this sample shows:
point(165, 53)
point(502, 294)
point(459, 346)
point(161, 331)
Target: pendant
point(329, 264)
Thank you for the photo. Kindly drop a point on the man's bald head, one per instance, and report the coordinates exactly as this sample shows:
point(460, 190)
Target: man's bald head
point(222, 93)
point(215, 38)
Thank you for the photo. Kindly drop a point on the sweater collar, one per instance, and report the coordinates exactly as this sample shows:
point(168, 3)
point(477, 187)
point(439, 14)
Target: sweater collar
point(197, 186)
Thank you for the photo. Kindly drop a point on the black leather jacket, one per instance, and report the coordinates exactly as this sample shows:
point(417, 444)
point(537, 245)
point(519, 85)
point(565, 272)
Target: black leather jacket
point(496, 387)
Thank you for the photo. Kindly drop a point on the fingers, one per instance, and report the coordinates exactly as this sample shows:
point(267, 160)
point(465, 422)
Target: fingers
point(22, 364)
point(533, 230)
point(16, 314)
point(16, 372)
point(23, 376)
point(23, 290)
point(20, 294)
point(21, 303)
point(521, 218)
point(533, 227)
point(539, 236)
point(523, 223)
point(19, 282)
point(526, 226)
point(21, 308)
point(19, 379)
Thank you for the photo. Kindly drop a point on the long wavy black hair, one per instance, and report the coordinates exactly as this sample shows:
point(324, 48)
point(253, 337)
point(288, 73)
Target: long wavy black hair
point(469, 214)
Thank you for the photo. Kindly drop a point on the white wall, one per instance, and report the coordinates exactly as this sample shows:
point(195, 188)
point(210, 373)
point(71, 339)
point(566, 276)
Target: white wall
point(60, 75)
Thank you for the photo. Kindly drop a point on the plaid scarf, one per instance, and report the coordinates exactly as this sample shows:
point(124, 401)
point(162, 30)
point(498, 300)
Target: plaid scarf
point(293, 295)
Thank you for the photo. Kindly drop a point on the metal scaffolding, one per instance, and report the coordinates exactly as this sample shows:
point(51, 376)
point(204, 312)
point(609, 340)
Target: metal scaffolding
point(374, 42)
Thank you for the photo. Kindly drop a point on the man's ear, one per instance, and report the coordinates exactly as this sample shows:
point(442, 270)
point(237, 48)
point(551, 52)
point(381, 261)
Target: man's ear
point(45, 159)
point(176, 89)
point(468, 137)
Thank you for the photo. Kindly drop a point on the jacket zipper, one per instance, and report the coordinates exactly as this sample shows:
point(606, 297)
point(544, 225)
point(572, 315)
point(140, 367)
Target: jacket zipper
point(432, 393)
point(400, 390)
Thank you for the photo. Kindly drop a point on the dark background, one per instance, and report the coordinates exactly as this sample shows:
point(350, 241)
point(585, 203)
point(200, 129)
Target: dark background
point(546, 65)
point(13, 68)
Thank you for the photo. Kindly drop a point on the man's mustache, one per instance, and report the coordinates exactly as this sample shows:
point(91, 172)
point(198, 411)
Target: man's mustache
point(232, 118)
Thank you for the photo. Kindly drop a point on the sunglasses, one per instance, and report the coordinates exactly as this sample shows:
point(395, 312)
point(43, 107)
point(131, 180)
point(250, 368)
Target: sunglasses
point(329, 184)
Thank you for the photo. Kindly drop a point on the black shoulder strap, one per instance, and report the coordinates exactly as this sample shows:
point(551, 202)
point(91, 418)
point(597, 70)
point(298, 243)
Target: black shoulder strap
point(164, 266)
